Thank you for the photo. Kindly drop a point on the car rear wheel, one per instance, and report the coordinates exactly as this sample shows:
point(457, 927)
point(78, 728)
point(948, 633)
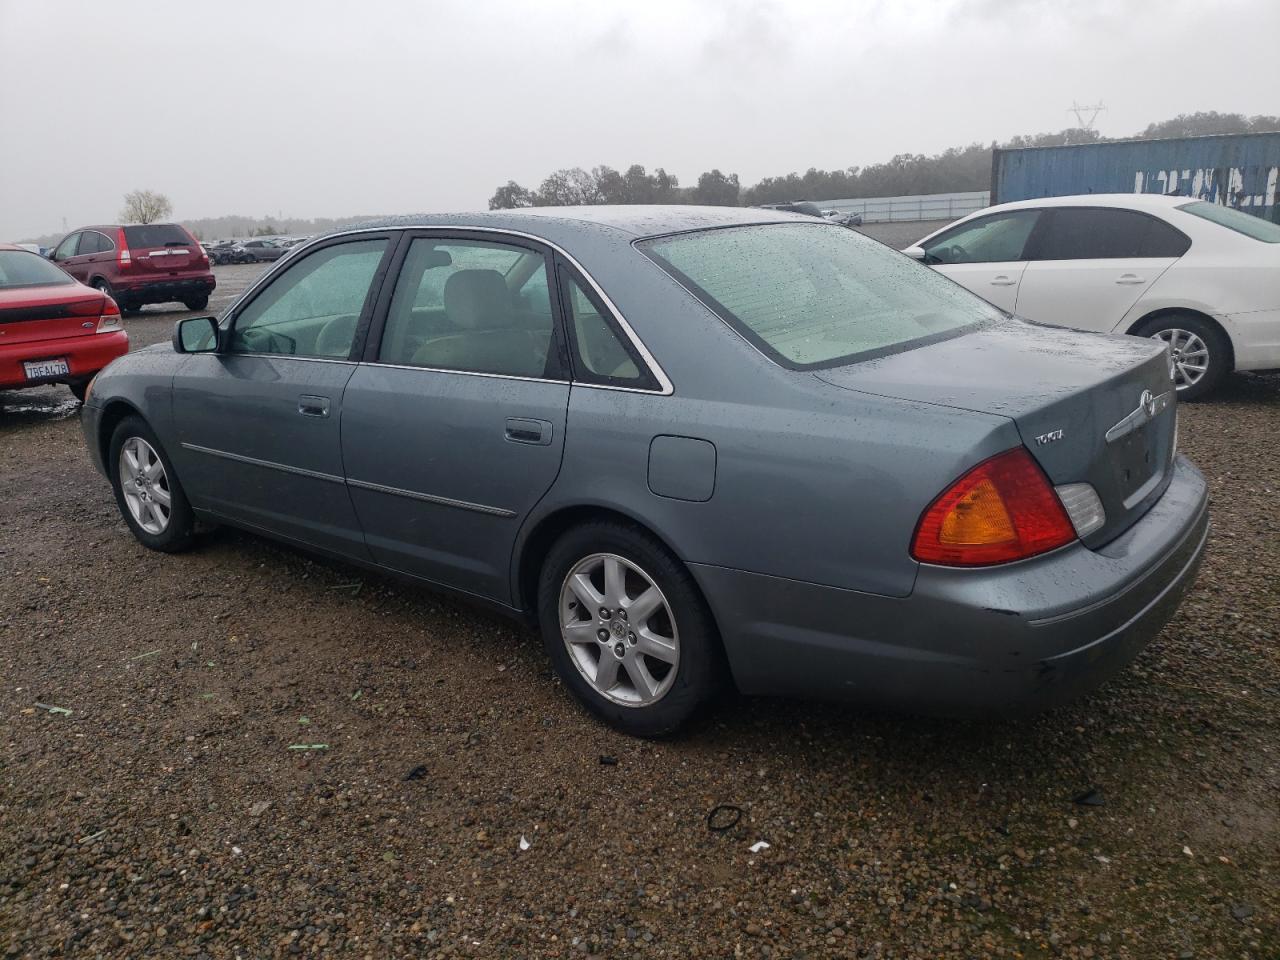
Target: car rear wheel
point(147, 490)
point(1199, 355)
point(79, 388)
point(196, 303)
point(105, 287)
point(626, 628)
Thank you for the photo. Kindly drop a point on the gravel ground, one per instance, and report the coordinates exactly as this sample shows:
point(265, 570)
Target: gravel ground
point(166, 813)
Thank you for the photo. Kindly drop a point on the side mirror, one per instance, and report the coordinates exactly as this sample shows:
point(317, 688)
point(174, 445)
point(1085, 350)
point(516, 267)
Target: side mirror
point(915, 252)
point(196, 335)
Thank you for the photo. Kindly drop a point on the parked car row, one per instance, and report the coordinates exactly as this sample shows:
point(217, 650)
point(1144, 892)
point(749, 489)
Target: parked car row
point(254, 250)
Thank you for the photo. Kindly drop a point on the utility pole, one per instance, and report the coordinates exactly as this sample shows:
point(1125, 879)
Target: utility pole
point(1092, 110)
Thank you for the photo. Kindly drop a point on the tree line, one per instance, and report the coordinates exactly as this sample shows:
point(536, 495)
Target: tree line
point(957, 169)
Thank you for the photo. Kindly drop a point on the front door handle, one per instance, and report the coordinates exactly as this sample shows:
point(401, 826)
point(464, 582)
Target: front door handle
point(310, 406)
point(1002, 281)
point(1129, 279)
point(522, 430)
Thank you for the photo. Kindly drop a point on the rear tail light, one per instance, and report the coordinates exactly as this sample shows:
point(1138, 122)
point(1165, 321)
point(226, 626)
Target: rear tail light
point(1003, 509)
point(123, 257)
point(110, 319)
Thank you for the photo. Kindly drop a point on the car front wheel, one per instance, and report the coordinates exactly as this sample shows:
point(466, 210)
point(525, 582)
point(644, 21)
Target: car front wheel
point(1199, 355)
point(626, 628)
point(147, 490)
point(196, 303)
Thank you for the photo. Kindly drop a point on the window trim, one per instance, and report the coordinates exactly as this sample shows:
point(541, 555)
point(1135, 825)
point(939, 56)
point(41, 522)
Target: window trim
point(1037, 237)
point(495, 234)
point(564, 275)
point(227, 324)
point(111, 244)
point(399, 234)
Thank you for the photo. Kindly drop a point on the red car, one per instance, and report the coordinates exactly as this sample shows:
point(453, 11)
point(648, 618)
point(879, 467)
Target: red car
point(139, 263)
point(53, 329)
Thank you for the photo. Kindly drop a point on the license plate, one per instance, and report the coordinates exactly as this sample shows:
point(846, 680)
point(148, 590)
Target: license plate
point(40, 369)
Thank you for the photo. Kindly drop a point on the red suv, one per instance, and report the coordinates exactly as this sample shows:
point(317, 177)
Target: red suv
point(139, 263)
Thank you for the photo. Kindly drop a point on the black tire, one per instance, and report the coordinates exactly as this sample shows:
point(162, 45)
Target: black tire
point(1214, 340)
point(197, 303)
point(105, 287)
point(179, 532)
point(79, 388)
point(699, 669)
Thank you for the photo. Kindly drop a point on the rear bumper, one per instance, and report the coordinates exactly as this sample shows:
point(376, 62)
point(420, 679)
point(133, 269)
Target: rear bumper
point(1027, 635)
point(85, 356)
point(1255, 339)
point(165, 289)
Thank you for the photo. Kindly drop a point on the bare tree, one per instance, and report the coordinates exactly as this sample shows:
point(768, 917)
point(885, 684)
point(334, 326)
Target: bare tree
point(145, 206)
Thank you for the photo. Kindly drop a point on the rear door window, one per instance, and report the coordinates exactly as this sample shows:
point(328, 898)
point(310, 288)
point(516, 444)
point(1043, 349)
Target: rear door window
point(1099, 233)
point(473, 305)
point(91, 241)
point(999, 238)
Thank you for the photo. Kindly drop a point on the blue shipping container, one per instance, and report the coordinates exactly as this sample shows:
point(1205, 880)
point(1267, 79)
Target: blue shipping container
point(1238, 170)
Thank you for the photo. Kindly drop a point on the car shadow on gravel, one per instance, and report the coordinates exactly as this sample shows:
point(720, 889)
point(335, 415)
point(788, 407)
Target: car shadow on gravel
point(1240, 389)
point(731, 719)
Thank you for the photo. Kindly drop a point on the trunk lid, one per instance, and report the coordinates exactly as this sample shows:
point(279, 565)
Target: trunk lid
point(1076, 398)
point(161, 248)
point(48, 313)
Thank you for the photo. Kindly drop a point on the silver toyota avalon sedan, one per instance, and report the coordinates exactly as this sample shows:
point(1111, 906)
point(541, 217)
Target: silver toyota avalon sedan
point(692, 445)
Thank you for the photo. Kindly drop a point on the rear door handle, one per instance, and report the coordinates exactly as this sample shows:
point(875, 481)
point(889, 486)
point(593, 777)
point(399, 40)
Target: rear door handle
point(1002, 281)
point(522, 430)
point(310, 406)
point(1129, 279)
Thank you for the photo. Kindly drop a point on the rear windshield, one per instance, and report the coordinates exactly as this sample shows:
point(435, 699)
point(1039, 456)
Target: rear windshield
point(816, 295)
point(20, 268)
point(156, 235)
point(1232, 219)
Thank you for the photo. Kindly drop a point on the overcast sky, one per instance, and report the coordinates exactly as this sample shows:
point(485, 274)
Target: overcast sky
point(324, 108)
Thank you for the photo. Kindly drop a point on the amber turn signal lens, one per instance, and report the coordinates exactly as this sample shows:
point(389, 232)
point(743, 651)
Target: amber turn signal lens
point(1003, 509)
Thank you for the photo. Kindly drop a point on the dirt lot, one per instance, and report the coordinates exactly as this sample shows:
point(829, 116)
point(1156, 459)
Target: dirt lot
point(162, 810)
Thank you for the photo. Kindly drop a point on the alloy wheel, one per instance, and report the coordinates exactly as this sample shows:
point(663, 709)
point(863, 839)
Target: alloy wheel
point(145, 485)
point(619, 630)
point(1188, 356)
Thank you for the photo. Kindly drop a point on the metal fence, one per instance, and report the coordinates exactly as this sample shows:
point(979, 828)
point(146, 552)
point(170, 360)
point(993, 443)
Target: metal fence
point(932, 206)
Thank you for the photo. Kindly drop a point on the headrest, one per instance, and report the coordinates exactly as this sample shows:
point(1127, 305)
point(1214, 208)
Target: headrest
point(477, 300)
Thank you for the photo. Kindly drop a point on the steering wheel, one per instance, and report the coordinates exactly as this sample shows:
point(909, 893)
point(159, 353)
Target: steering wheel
point(267, 341)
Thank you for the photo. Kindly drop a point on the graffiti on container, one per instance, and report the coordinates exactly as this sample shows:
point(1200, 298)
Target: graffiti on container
point(1239, 187)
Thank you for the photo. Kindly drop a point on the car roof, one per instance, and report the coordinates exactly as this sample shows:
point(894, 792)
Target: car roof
point(635, 220)
point(1128, 201)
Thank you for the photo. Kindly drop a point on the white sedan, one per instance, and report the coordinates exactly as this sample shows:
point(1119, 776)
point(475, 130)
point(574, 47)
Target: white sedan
point(1203, 277)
